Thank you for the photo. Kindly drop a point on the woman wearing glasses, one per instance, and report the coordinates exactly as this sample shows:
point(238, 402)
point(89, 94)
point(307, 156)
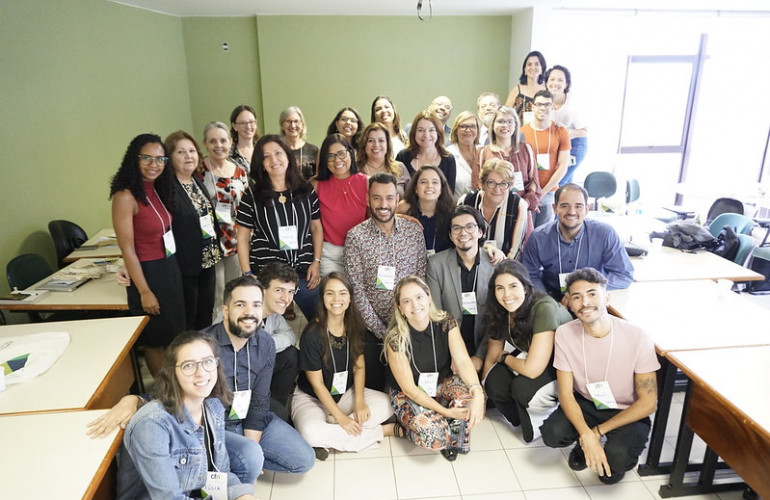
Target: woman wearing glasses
point(522, 96)
point(349, 124)
point(244, 131)
point(279, 219)
point(176, 442)
point(503, 209)
point(506, 144)
point(384, 111)
point(341, 190)
point(426, 147)
point(429, 200)
point(375, 154)
point(463, 144)
point(293, 130)
point(143, 228)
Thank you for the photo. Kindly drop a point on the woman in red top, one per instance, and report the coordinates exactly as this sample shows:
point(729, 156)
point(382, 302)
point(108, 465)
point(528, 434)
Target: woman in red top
point(143, 229)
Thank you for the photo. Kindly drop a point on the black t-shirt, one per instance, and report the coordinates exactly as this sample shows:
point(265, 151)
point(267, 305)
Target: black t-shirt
point(422, 360)
point(310, 358)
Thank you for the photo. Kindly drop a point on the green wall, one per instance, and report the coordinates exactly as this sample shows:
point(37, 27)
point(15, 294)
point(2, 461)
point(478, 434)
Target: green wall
point(79, 79)
point(220, 81)
point(322, 63)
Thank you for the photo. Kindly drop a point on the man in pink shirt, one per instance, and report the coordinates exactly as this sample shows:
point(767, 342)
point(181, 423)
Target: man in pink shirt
point(605, 368)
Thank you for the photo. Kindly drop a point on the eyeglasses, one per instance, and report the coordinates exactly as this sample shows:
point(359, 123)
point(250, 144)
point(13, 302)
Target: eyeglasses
point(545, 105)
point(146, 160)
point(468, 127)
point(341, 154)
point(348, 119)
point(500, 121)
point(189, 368)
point(246, 123)
point(490, 184)
point(469, 228)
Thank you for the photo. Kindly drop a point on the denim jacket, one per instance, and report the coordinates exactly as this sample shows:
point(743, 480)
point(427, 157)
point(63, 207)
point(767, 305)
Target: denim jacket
point(169, 456)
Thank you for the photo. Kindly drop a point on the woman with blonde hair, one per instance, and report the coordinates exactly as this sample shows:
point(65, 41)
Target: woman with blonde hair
point(293, 130)
point(503, 209)
point(375, 154)
point(464, 144)
point(435, 408)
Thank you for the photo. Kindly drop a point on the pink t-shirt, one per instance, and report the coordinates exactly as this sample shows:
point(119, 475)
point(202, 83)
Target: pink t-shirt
point(632, 352)
point(343, 205)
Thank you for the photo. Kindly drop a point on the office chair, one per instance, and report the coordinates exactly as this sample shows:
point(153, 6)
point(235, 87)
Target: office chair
point(67, 236)
point(724, 206)
point(740, 223)
point(26, 270)
point(744, 250)
point(600, 185)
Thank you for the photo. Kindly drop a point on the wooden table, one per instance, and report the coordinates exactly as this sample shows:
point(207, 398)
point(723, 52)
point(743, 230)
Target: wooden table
point(94, 372)
point(49, 455)
point(96, 295)
point(729, 407)
point(106, 247)
point(670, 264)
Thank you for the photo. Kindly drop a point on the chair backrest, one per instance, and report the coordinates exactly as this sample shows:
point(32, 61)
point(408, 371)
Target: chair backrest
point(600, 185)
point(26, 270)
point(740, 223)
point(724, 206)
point(632, 190)
point(748, 243)
point(67, 236)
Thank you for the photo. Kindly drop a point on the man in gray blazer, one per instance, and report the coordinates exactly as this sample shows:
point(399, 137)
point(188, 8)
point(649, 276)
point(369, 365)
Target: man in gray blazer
point(459, 278)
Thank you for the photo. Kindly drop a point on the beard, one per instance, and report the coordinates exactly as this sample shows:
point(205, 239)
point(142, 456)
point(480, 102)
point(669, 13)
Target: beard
point(239, 332)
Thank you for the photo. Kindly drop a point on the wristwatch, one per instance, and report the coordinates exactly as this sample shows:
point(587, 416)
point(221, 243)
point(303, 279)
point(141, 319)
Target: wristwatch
point(503, 356)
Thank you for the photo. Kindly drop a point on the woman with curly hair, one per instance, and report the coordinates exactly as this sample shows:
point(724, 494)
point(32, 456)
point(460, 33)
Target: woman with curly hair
point(428, 198)
point(426, 147)
point(347, 122)
point(143, 228)
point(384, 111)
point(331, 378)
point(279, 219)
point(375, 154)
point(522, 96)
point(244, 131)
point(435, 408)
point(520, 323)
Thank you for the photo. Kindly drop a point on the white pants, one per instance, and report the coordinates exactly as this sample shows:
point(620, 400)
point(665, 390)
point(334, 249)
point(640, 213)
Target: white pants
point(332, 259)
point(542, 404)
point(226, 269)
point(309, 416)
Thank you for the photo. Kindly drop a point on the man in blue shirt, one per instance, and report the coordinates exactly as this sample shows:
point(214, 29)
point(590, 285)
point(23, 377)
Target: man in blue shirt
point(572, 242)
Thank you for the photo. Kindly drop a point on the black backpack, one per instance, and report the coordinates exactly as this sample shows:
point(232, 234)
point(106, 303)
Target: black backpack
point(685, 236)
point(727, 244)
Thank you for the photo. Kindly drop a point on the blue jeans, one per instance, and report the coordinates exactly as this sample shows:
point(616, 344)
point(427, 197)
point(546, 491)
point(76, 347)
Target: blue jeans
point(306, 299)
point(546, 210)
point(246, 457)
point(579, 147)
point(283, 447)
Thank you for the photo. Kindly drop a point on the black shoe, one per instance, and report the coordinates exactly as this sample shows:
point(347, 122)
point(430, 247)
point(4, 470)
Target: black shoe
point(577, 459)
point(614, 478)
point(321, 453)
point(528, 434)
point(450, 455)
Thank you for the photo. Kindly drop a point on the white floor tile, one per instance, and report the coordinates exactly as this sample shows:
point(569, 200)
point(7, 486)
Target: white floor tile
point(365, 479)
point(574, 493)
point(317, 483)
point(633, 490)
point(588, 477)
point(654, 485)
point(484, 472)
point(402, 447)
point(510, 436)
point(382, 451)
point(697, 451)
point(674, 418)
point(484, 437)
point(425, 476)
point(515, 495)
point(264, 485)
point(541, 468)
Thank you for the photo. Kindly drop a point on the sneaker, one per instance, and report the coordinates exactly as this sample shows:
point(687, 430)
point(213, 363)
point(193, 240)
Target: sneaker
point(577, 459)
point(614, 478)
point(321, 453)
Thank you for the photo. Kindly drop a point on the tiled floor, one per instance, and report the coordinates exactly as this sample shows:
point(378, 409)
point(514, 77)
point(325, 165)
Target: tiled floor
point(500, 466)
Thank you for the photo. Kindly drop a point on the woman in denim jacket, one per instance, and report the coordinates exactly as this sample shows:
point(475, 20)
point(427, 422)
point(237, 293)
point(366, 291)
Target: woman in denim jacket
point(174, 442)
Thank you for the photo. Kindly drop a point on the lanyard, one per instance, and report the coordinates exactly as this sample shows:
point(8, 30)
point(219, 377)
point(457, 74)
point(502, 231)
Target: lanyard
point(301, 234)
point(585, 366)
point(558, 248)
point(235, 368)
point(537, 147)
point(208, 435)
point(435, 361)
point(331, 351)
point(162, 224)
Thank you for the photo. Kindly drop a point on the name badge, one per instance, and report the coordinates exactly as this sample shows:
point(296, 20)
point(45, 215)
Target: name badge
point(169, 243)
point(469, 303)
point(518, 181)
point(339, 383)
point(288, 238)
point(386, 278)
point(527, 117)
point(563, 282)
point(572, 161)
point(224, 213)
point(207, 226)
point(430, 251)
point(216, 486)
point(601, 394)
point(544, 161)
point(428, 382)
point(240, 407)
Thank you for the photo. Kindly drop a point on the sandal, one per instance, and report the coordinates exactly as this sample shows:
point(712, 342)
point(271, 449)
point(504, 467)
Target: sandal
point(398, 430)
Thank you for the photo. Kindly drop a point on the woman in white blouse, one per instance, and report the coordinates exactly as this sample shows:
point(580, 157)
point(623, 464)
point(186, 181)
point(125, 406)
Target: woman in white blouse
point(566, 112)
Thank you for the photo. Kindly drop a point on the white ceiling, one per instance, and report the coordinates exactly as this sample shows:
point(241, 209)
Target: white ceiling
point(228, 8)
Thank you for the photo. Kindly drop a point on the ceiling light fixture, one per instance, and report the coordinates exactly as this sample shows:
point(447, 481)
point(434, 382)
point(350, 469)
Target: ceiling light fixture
point(419, 10)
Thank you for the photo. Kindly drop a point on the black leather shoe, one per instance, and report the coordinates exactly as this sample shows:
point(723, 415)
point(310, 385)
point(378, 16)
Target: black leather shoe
point(450, 455)
point(577, 459)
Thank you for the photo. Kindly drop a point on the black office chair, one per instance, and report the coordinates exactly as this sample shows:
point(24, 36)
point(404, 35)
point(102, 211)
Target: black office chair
point(724, 206)
point(600, 185)
point(67, 236)
point(26, 270)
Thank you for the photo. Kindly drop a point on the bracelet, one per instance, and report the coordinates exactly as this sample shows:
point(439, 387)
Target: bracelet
point(317, 260)
point(601, 434)
point(248, 273)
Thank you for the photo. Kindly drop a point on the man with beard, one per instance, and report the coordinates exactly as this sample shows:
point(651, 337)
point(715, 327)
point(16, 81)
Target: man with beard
point(605, 370)
point(488, 104)
point(571, 242)
point(378, 253)
point(458, 279)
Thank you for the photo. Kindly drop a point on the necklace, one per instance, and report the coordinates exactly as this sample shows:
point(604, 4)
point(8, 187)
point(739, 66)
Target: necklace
point(281, 199)
point(369, 168)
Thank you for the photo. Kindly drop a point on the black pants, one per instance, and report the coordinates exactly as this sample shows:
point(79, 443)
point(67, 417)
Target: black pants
point(512, 393)
point(198, 292)
point(375, 362)
point(623, 446)
point(284, 374)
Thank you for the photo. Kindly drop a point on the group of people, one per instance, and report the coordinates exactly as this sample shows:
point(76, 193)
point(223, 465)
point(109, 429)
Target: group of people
point(427, 278)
